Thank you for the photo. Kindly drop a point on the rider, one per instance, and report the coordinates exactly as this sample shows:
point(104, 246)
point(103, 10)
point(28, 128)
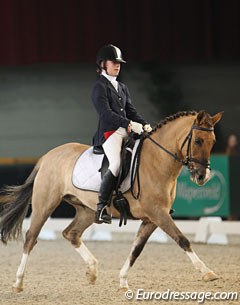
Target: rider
point(117, 117)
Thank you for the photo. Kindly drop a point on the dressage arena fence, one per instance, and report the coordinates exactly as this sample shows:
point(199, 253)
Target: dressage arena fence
point(210, 230)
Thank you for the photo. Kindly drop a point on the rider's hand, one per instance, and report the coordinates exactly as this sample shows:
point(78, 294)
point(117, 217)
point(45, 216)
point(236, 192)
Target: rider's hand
point(136, 127)
point(147, 128)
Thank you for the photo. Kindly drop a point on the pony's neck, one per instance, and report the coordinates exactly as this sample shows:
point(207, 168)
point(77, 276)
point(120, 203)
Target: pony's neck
point(170, 136)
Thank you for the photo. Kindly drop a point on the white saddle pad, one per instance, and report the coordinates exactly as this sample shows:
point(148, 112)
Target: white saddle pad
point(86, 175)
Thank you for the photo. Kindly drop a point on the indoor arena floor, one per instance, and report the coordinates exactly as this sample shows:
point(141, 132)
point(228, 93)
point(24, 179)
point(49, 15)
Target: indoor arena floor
point(55, 273)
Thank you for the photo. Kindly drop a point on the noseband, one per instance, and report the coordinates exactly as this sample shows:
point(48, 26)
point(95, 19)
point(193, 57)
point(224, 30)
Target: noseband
point(187, 161)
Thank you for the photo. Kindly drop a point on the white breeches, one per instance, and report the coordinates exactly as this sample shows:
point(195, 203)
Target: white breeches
point(112, 148)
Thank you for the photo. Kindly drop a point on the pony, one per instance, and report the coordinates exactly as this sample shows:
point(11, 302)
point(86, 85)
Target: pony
point(183, 139)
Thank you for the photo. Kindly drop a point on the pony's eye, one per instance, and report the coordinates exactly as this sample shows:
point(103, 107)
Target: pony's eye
point(198, 141)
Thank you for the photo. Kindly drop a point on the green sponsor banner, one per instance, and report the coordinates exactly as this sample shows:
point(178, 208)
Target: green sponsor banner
point(211, 199)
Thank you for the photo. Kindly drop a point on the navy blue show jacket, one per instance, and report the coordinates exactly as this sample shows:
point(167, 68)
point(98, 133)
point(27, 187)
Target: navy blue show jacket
point(114, 109)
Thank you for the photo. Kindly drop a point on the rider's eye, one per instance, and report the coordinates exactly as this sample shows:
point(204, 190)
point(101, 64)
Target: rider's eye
point(198, 141)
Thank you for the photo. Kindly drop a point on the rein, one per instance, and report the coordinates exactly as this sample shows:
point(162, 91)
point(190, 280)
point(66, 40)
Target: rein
point(184, 162)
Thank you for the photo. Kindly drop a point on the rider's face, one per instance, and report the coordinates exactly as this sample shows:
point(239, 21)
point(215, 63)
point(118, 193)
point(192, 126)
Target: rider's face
point(113, 67)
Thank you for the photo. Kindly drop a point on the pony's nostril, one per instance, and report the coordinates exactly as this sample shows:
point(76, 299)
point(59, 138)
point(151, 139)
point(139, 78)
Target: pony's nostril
point(201, 177)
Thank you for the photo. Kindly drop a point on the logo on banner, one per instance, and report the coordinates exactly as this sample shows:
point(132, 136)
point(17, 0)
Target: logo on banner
point(212, 193)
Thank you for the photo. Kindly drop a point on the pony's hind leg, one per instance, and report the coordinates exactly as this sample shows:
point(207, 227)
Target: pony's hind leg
point(144, 232)
point(37, 223)
point(166, 223)
point(83, 219)
point(43, 204)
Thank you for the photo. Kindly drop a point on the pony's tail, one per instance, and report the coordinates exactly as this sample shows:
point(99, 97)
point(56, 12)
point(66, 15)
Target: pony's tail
point(14, 202)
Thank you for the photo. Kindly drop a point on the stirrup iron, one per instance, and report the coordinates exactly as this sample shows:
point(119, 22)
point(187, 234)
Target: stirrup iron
point(102, 216)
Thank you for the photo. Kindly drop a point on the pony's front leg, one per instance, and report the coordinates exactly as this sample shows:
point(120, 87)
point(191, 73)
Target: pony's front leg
point(207, 274)
point(166, 223)
point(144, 232)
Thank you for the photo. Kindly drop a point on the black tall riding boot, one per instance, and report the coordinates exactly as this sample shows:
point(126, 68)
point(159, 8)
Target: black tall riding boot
point(105, 192)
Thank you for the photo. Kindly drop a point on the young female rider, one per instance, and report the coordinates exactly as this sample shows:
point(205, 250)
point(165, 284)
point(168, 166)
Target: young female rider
point(117, 117)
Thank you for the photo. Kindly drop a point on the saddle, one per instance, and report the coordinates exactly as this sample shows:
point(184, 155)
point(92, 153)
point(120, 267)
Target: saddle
point(92, 164)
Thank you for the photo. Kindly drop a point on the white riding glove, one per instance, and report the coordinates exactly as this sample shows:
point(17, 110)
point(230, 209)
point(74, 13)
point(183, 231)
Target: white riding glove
point(136, 127)
point(147, 128)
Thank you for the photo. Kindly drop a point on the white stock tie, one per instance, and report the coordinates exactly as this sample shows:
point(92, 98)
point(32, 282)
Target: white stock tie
point(115, 84)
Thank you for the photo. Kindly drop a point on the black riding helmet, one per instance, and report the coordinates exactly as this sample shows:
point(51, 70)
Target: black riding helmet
point(109, 52)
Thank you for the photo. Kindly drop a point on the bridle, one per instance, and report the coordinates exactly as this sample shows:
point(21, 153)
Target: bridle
point(188, 139)
point(187, 161)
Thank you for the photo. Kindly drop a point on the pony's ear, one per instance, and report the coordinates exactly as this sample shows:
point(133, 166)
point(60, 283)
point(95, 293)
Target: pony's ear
point(217, 117)
point(200, 117)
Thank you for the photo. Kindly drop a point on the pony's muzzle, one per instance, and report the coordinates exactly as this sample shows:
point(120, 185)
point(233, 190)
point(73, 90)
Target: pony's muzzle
point(200, 175)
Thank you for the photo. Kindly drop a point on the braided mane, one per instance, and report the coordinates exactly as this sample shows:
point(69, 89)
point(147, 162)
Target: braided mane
point(173, 117)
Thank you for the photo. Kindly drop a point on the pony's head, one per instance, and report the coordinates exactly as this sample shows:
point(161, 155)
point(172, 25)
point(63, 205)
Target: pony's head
point(199, 143)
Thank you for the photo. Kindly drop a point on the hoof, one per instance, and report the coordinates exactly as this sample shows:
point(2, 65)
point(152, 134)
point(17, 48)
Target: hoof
point(123, 289)
point(210, 276)
point(17, 289)
point(91, 275)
